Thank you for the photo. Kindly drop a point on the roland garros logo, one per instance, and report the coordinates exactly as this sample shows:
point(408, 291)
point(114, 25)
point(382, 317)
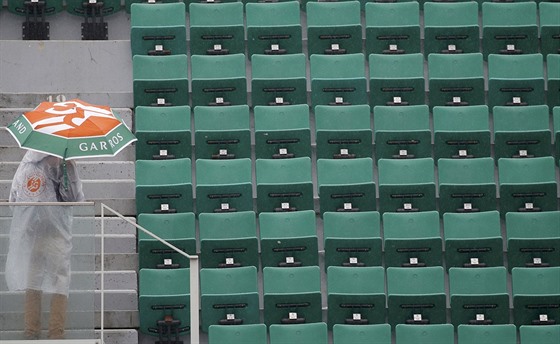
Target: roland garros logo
point(74, 119)
point(34, 184)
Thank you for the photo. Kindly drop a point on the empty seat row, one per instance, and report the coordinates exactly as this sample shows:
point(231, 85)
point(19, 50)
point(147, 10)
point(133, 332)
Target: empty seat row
point(342, 80)
point(315, 333)
point(353, 239)
point(355, 296)
point(336, 28)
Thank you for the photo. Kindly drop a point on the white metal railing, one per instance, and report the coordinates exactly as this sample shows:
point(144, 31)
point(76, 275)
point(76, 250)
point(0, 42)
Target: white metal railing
point(193, 271)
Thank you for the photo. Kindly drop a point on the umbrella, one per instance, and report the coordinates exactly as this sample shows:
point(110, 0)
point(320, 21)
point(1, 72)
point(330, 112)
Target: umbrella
point(71, 129)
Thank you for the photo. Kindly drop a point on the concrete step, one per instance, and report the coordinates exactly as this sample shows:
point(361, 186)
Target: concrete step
point(8, 115)
point(93, 170)
point(93, 189)
point(10, 151)
point(111, 336)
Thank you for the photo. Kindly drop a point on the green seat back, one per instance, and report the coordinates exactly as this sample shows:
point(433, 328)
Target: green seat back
point(163, 132)
point(479, 296)
point(466, 185)
point(396, 79)
point(160, 80)
point(524, 181)
point(473, 239)
point(282, 131)
point(313, 333)
point(228, 239)
point(77, 7)
point(549, 25)
point(352, 238)
point(218, 80)
point(392, 27)
point(406, 185)
point(533, 239)
point(412, 239)
point(164, 186)
point(343, 131)
point(239, 334)
point(355, 295)
point(515, 76)
point(363, 334)
point(539, 334)
point(217, 29)
point(224, 185)
point(177, 229)
point(553, 79)
point(521, 131)
point(461, 131)
point(481, 334)
point(273, 28)
point(51, 7)
point(556, 116)
point(450, 85)
point(128, 3)
point(292, 295)
point(451, 25)
point(279, 79)
point(402, 131)
point(338, 79)
point(288, 239)
point(284, 184)
point(536, 295)
point(429, 334)
point(153, 25)
point(346, 185)
point(222, 132)
point(229, 296)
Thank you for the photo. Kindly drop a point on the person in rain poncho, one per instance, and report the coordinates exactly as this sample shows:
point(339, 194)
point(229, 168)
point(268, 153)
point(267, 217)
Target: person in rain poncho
point(41, 238)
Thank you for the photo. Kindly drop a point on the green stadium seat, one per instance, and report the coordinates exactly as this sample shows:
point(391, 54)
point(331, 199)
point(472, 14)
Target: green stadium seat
point(416, 296)
point(228, 239)
point(334, 27)
point(229, 297)
point(344, 334)
point(314, 333)
point(94, 26)
point(288, 239)
point(284, 184)
point(539, 334)
point(273, 28)
point(343, 131)
point(128, 3)
point(521, 131)
point(549, 25)
point(218, 80)
point(164, 186)
point(473, 239)
point(481, 334)
point(527, 184)
point(451, 28)
point(222, 132)
point(240, 334)
point(515, 80)
point(346, 185)
point(282, 131)
point(402, 132)
point(406, 185)
point(158, 29)
point(355, 295)
point(461, 132)
point(164, 300)
point(278, 79)
point(19, 7)
point(479, 296)
point(412, 239)
point(429, 334)
point(177, 229)
point(163, 132)
point(352, 238)
point(533, 239)
point(338, 79)
point(392, 28)
point(536, 295)
point(466, 185)
point(292, 295)
point(509, 28)
point(217, 29)
point(556, 116)
point(450, 85)
point(160, 80)
point(553, 79)
point(396, 79)
point(224, 185)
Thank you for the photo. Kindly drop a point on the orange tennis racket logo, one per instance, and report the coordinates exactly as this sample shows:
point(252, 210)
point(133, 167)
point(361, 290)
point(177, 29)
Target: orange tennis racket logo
point(72, 119)
point(35, 184)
